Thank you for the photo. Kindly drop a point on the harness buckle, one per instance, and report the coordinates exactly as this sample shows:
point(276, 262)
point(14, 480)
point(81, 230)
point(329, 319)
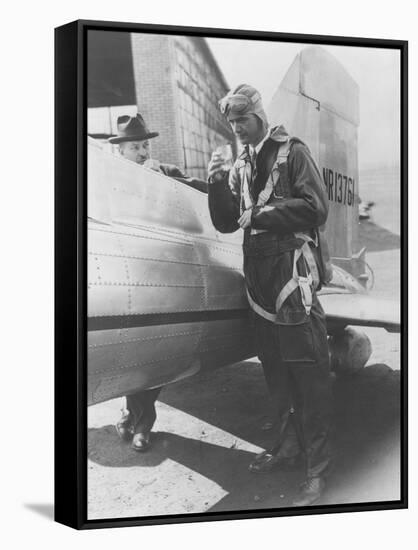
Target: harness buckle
point(306, 292)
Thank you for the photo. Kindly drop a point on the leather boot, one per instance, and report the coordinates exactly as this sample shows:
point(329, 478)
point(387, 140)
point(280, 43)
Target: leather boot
point(269, 461)
point(141, 442)
point(310, 491)
point(124, 426)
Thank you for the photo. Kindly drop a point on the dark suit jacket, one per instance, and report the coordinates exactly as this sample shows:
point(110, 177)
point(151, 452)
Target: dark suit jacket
point(174, 172)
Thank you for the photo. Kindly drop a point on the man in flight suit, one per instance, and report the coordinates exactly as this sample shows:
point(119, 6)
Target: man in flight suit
point(275, 193)
point(133, 138)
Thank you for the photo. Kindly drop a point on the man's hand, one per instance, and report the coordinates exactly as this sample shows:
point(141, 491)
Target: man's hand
point(153, 165)
point(215, 168)
point(245, 219)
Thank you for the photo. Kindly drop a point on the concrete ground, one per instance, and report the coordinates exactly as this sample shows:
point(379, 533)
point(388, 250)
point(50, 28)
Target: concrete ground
point(210, 426)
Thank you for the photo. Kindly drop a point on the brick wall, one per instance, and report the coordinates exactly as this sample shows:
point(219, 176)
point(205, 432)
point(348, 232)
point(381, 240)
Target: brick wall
point(177, 85)
point(152, 57)
point(178, 88)
point(198, 87)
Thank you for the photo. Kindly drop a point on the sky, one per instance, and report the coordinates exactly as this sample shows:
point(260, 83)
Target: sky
point(376, 71)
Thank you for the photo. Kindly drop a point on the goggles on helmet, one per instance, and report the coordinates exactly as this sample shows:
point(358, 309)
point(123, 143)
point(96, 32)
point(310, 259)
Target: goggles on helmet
point(237, 103)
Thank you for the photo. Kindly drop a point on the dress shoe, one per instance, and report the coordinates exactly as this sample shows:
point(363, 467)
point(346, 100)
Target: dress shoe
point(266, 462)
point(310, 491)
point(124, 426)
point(141, 442)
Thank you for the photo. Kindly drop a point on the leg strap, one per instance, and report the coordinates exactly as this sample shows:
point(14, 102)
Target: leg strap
point(297, 281)
point(309, 257)
point(260, 310)
point(304, 283)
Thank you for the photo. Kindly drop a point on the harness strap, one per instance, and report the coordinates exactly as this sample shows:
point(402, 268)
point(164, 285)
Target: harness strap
point(310, 260)
point(286, 291)
point(304, 283)
point(260, 310)
point(247, 175)
point(246, 200)
point(297, 281)
point(282, 154)
point(306, 292)
point(309, 257)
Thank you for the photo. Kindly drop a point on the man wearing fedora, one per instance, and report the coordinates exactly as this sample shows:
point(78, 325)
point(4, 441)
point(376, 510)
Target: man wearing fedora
point(133, 140)
point(139, 415)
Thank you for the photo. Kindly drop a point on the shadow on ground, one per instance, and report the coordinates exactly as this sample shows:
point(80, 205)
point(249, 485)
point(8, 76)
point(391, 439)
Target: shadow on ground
point(225, 466)
point(367, 419)
point(45, 510)
point(376, 238)
point(367, 407)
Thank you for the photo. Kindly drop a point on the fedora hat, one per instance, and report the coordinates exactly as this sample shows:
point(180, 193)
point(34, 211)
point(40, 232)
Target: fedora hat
point(132, 128)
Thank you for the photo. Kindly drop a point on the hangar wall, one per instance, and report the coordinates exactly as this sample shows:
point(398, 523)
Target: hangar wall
point(175, 83)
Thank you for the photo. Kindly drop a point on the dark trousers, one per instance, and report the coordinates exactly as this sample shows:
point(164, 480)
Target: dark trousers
point(301, 393)
point(141, 405)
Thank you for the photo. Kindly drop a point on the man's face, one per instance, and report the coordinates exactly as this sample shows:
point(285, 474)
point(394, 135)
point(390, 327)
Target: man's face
point(247, 128)
point(136, 151)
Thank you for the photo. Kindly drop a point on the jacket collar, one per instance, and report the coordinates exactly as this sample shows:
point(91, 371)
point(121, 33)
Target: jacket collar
point(278, 134)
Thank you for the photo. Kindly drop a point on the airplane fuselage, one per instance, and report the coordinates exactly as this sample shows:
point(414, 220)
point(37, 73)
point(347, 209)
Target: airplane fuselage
point(166, 293)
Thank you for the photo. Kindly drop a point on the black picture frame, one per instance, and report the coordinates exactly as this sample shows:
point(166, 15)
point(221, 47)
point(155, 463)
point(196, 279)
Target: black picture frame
point(71, 271)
